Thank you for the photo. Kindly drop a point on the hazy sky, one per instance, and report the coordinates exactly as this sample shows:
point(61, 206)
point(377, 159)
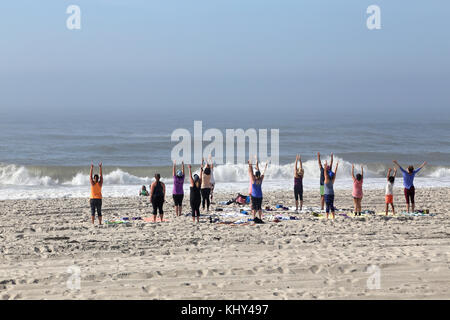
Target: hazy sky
point(289, 55)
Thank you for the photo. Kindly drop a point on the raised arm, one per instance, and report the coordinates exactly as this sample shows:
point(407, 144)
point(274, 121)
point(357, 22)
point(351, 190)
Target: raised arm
point(388, 174)
point(335, 170)
point(396, 163)
point(210, 162)
point(353, 172)
point(296, 166)
point(362, 172)
point(190, 175)
point(264, 171)
point(101, 173)
point(318, 159)
point(331, 161)
point(250, 171)
point(421, 166)
point(182, 167)
point(90, 174)
point(257, 163)
point(395, 172)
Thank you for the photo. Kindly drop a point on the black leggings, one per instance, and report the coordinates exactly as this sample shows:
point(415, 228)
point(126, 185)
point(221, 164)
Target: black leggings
point(195, 206)
point(96, 204)
point(205, 197)
point(157, 203)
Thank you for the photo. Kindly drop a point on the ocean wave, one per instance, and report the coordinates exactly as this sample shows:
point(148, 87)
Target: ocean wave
point(15, 175)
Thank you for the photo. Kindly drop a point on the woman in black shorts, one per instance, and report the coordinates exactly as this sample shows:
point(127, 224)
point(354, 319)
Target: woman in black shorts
point(158, 196)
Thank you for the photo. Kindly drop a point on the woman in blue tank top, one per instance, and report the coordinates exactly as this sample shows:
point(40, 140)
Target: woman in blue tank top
point(256, 180)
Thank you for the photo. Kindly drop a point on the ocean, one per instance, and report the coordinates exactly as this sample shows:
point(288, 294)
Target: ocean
point(49, 157)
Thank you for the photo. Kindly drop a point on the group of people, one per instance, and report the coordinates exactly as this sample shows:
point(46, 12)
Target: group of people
point(328, 176)
point(202, 187)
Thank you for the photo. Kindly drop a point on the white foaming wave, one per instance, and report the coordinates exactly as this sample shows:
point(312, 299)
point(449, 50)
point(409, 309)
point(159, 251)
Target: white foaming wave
point(440, 173)
point(239, 172)
point(14, 175)
point(116, 177)
point(19, 175)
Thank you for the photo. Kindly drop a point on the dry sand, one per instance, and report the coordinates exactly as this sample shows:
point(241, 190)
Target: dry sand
point(308, 258)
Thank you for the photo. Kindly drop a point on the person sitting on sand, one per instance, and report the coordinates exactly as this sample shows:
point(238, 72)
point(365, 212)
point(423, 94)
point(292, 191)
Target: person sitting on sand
point(206, 185)
point(195, 196)
point(408, 183)
point(96, 193)
point(322, 179)
point(143, 192)
point(390, 190)
point(357, 189)
point(158, 197)
point(178, 192)
point(256, 195)
point(330, 177)
point(298, 182)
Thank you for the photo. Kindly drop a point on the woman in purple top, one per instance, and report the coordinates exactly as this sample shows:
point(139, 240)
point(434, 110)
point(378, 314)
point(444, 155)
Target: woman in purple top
point(178, 192)
point(408, 183)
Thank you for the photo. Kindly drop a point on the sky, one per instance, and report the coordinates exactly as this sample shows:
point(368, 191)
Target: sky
point(267, 56)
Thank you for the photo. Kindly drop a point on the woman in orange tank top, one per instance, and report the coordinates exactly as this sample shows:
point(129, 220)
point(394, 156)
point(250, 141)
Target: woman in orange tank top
point(96, 193)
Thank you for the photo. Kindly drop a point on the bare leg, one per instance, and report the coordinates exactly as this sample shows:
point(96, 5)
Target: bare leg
point(407, 206)
point(260, 214)
point(355, 206)
point(296, 205)
point(154, 218)
point(387, 208)
point(93, 219)
point(161, 217)
point(332, 213)
point(301, 205)
point(100, 219)
point(322, 202)
point(393, 210)
point(412, 205)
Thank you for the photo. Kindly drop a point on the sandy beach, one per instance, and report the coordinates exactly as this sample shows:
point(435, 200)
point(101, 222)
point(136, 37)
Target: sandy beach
point(43, 241)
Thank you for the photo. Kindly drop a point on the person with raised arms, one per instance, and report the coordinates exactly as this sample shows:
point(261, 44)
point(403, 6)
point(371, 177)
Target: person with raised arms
point(322, 179)
point(408, 183)
point(357, 192)
point(96, 193)
point(206, 184)
point(389, 192)
point(178, 192)
point(250, 182)
point(195, 195)
point(158, 197)
point(330, 177)
point(298, 182)
point(257, 194)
